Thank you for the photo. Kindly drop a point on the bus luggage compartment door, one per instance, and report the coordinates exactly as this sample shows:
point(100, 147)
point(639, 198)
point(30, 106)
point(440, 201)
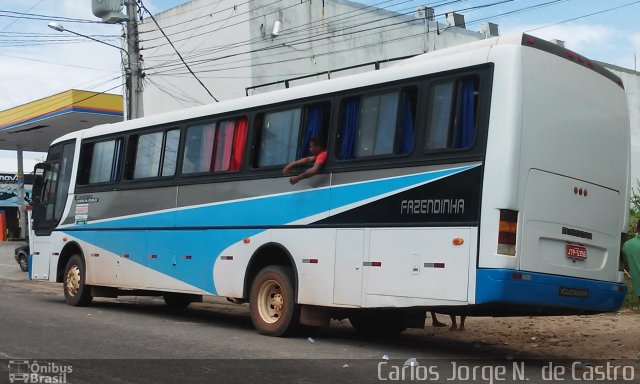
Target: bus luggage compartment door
point(570, 227)
point(426, 263)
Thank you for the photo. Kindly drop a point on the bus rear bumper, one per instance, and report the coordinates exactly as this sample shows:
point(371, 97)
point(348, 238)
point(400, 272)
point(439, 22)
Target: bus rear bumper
point(546, 294)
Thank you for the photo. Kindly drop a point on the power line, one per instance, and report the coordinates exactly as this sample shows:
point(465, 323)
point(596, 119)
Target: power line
point(398, 25)
point(587, 15)
point(234, 7)
point(178, 53)
point(14, 20)
point(333, 33)
point(237, 15)
point(53, 62)
point(35, 16)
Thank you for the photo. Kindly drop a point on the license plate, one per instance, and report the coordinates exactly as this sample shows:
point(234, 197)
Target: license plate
point(574, 292)
point(576, 252)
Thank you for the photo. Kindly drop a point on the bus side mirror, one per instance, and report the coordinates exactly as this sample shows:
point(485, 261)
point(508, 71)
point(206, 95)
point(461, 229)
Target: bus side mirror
point(38, 182)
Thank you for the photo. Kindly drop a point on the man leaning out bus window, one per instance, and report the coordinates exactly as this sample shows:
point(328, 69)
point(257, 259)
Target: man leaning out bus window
point(318, 157)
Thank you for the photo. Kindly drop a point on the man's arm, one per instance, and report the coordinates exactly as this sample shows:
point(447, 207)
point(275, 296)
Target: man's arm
point(308, 173)
point(304, 160)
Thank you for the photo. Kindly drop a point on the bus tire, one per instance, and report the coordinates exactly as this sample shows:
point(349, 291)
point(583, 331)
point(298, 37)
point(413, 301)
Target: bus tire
point(176, 300)
point(76, 292)
point(23, 261)
point(378, 323)
point(272, 305)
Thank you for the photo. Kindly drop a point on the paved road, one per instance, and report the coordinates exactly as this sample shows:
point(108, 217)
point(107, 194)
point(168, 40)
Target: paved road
point(140, 340)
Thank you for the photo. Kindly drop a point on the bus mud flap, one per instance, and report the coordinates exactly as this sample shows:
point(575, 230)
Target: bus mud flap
point(314, 316)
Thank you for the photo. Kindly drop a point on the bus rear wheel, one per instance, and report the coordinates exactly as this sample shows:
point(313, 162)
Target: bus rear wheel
point(76, 292)
point(272, 305)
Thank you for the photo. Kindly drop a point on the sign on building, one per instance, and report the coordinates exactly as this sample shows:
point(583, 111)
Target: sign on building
point(9, 185)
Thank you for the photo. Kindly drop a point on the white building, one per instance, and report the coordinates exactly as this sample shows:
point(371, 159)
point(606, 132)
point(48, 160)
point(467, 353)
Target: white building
point(233, 47)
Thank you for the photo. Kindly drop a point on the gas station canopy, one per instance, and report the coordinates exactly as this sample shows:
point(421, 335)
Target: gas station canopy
point(33, 126)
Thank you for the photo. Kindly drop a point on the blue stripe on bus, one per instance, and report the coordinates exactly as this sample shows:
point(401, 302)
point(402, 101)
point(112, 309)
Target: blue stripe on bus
point(206, 245)
point(498, 286)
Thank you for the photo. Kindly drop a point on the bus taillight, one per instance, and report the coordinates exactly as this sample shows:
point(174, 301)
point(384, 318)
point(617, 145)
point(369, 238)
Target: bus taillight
point(508, 229)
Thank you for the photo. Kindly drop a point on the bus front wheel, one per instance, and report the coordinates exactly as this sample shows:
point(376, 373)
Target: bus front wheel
point(272, 305)
point(76, 292)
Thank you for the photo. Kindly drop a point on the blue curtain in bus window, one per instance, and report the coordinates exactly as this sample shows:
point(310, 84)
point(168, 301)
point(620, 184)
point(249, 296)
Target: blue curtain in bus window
point(468, 131)
point(406, 140)
point(387, 119)
point(439, 121)
point(313, 129)
point(349, 125)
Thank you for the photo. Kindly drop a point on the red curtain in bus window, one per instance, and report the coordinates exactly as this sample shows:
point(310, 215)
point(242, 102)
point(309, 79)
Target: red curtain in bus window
point(224, 144)
point(239, 142)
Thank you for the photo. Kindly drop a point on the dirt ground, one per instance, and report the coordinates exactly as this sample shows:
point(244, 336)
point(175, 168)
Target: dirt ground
point(603, 336)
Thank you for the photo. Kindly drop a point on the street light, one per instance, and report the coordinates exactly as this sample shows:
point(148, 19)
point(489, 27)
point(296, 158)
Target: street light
point(58, 27)
point(132, 72)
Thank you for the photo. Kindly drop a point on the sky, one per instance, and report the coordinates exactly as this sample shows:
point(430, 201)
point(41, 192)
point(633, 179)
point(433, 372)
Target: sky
point(37, 62)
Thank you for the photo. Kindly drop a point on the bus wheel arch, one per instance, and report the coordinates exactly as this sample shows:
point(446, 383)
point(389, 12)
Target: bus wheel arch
point(70, 249)
point(266, 255)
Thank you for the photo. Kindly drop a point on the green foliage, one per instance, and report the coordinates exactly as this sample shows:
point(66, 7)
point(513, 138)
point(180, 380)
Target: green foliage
point(634, 214)
point(630, 300)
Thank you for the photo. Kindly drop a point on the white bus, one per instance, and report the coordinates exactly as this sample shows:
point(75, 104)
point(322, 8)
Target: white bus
point(490, 178)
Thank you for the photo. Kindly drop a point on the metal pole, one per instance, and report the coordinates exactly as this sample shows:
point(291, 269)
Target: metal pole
point(135, 68)
point(21, 203)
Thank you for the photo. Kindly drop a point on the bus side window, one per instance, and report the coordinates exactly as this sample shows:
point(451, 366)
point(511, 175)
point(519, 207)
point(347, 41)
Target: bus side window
point(452, 114)
point(152, 154)
point(100, 162)
point(382, 124)
point(279, 137)
point(215, 146)
point(198, 152)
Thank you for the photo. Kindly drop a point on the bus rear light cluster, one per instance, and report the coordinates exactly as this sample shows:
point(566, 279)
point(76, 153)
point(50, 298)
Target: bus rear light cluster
point(508, 229)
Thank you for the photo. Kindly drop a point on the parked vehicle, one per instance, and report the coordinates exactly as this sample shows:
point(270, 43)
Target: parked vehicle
point(22, 257)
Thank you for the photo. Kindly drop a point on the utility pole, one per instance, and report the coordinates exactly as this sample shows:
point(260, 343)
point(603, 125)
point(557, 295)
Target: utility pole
point(110, 11)
point(134, 103)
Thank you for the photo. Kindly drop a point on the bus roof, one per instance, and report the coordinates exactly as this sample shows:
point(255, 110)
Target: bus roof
point(430, 62)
